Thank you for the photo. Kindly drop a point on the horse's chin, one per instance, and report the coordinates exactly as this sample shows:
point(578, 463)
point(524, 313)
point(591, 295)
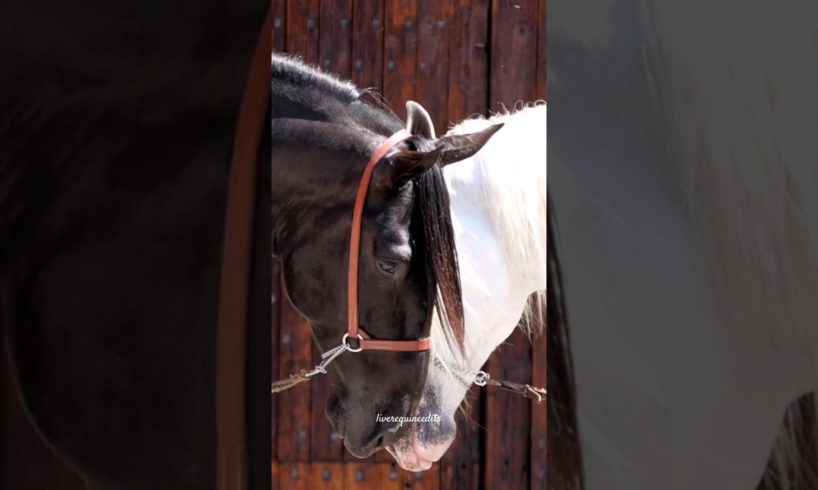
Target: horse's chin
point(412, 454)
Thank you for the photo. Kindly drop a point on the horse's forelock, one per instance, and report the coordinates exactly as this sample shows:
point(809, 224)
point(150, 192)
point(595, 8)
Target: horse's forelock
point(441, 252)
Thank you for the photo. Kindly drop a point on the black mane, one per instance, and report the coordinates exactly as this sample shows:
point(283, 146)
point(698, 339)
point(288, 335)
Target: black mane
point(303, 91)
point(291, 72)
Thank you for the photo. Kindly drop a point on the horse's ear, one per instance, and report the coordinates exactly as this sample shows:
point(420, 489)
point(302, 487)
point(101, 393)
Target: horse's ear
point(418, 121)
point(405, 166)
point(459, 147)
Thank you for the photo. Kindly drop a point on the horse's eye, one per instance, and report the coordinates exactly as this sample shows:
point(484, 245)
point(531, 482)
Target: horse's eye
point(388, 267)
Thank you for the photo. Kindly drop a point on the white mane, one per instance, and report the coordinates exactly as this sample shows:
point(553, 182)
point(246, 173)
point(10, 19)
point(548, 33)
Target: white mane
point(506, 183)
point(513, 165)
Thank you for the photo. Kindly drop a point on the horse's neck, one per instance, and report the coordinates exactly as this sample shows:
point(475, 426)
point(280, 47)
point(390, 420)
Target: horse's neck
point(498, 212)
point(505, 184)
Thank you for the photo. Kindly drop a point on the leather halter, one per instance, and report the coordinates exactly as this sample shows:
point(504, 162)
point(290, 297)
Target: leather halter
point(356, 333)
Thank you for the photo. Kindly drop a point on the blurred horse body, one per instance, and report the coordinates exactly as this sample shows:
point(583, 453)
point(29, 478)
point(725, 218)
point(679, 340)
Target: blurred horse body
point(694, 253)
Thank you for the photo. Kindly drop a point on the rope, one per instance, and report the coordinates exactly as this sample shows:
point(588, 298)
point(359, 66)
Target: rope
point(304, 375)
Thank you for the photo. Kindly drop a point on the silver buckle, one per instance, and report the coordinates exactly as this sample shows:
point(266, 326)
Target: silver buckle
point(345, 341)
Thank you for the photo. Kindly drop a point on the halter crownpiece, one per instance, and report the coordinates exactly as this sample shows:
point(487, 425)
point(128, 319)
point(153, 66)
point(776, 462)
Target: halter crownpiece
point(354, 331)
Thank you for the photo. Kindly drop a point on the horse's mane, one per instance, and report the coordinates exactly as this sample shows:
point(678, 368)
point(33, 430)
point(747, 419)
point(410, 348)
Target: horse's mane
point(513, 164)
point(327, 97)
point(334, 100)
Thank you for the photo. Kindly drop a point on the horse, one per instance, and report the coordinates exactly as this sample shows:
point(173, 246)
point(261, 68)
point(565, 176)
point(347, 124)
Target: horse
point(687, 231)
point(498, 208)
point(407, 266)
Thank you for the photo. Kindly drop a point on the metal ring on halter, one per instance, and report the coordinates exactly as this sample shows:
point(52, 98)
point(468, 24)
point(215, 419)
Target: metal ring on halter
point(344, 340)
point(481, 378)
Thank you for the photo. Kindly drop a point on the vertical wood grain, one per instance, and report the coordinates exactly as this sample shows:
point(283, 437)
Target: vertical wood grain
point(325, 444)
point(460, 466)
point(513, 52)
point(302, 29)
point(433, 60)
point(279, 33)
point(335, 39)
point(367, 43)
point(539, 412)
point(542, 53)
point(468, 58)
point(295, 353)
point(508, 418)
point(400, 53)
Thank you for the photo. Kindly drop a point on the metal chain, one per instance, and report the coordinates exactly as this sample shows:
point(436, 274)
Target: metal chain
point(479, 378)
point(482, 378)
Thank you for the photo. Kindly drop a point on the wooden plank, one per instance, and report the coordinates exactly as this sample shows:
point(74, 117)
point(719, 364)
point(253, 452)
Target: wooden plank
point(433, 60)
point(468, 58)
point(302, 29)
point(371, 476)
point(294, 476)
point(325, 444)
point(542, 53)
point(279, 25)
point(400, 46)
point(367, 44)
point(507, 454)
point(275, 473)
point(539, 412)
point(513, 47)
point(424, 480)
point(294, 405)
point(335, 39)
point(460, 466)
point(326, 476)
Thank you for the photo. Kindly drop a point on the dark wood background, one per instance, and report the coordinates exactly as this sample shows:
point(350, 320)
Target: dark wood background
point(457, 58)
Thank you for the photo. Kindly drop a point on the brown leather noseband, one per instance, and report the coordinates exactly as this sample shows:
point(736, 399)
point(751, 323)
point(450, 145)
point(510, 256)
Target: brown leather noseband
point(356, 333)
